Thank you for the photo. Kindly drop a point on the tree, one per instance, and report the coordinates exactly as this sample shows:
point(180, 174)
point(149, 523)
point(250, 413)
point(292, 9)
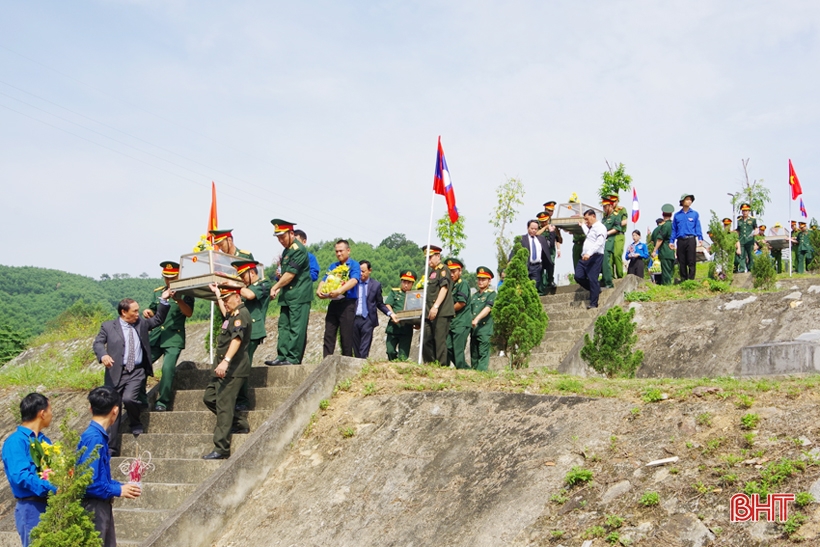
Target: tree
point(451, 234)
point(510, 195)
point(12, 342)
point(518, 316)
point(144, 275)
point(613, 181)
point(394, 241)
point(610, 350)
point(751, 192)
point(105, 277)
point(65, 523)
point(723, 249)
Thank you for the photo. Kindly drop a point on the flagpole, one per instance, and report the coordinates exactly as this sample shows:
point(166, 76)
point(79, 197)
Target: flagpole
point(426, 279)
point(211, 334)
point(790, 230)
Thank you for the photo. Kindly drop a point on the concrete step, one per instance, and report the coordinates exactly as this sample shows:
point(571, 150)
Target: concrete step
point(9, 539)
point(202, 421)
point(568, 324)
point(537, 360)
point(136, 524)
point(157, 496)
point(177, 471)
point(262, 398)
point(264, 376)
point(561, 346)
point(173, 446)
point(563, 298)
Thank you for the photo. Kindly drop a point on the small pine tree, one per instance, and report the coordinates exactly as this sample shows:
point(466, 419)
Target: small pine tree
point(764, 273)
point(610, 350)
point(518, 316)
point(723, 249)
point(66, 523)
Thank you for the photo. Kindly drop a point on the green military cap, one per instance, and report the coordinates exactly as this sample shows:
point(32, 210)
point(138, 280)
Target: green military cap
point(542, 216)
point(727, 221)
point(169, 268)
point(745, 207)
point(684, 196)
point(219, 235)
point(484, 272)
point(614, 198)
point(454, 263)
point(281, 226)
point(668, 208)
point(408, 275)
point(549, 206)
point(434, 250)
point(243, 266)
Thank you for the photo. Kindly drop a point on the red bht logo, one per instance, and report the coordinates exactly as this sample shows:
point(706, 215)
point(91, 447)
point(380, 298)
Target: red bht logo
point(743, 508)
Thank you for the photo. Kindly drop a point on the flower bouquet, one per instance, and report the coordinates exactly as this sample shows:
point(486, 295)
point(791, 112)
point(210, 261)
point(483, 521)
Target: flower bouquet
point(336, 277)
point(204, 244)
point(135, 468)
point(43, 455)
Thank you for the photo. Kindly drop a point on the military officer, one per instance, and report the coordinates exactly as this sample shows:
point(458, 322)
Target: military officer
point(230, 372)
point(545, 219)
point(610, 222)
point(481, 307)
point(169, 338)
point(399, 336)
point(804, 248)
point(223, 242)
point(295, 291)
point(746, 229)
point(662, 236)
point(460, 325)
point(256, 296)
point(439, 306)
point(620, 238)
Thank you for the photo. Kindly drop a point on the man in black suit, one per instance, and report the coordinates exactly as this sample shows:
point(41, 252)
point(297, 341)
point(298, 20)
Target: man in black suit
point(370, 299)
point(540, 249)
point(122, 346)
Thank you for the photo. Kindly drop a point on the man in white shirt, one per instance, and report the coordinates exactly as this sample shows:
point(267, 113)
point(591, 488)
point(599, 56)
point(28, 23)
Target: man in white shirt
point(589, 267)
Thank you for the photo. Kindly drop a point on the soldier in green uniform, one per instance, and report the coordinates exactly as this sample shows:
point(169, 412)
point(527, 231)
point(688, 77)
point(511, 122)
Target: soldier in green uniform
point(231, 370)
point(169, 338)
point(439, 306)
point(777, 254)
point(577, 247)
point(620, 237)
point(399, 336)
point(746, 229)
point(545, 219)
point(223, 242)
point(804, 248)
point(610, 222)
point(295, 292)
point(662, 236)
point(481, 307)
point(256, 295)
point(460, 325)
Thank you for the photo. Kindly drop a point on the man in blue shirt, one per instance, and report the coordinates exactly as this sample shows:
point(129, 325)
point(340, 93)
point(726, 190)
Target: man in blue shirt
point(314, 263)
point(105, 406)
point(29, 489)
point(341, 312)
point(686, 236)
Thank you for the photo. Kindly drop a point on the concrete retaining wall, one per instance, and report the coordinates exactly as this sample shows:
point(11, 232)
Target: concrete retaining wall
point(795, 357)
point(200, 518)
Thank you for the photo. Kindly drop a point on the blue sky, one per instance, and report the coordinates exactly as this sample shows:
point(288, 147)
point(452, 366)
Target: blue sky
point(115, 116)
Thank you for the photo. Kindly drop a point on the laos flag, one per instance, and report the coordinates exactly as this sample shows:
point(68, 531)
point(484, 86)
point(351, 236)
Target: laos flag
point(442, 184)
point(636, 210)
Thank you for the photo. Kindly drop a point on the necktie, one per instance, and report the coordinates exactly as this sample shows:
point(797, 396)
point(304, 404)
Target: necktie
point(533, 257)
point(132, 351)
point(363, 294)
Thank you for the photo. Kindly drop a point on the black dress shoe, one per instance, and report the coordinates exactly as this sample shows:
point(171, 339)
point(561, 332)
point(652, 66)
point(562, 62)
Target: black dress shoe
point(113, 453)
point(274, 362)
point(159, 407)
point(241, 408)
point(240, 430)
point(216, 456)
point(137, 430)
point(592, 307)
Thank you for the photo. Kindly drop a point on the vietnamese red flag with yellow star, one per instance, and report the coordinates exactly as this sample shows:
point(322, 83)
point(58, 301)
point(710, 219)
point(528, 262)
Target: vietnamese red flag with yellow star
point(797, 190)
point(212, 222)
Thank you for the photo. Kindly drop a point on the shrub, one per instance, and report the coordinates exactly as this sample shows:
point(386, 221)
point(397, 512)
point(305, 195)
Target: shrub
point(637, 296)
point(764, 274)
point(610, 350)
point(518, 316)
point(66, 523)
point(718, 286)
point(723, 249)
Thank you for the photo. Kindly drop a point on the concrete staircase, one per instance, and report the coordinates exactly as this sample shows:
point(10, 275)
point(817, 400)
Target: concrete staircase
point(569, 320)
point(177, 441)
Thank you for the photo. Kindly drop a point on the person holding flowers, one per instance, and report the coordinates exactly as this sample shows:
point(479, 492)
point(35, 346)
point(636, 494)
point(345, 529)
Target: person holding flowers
point(340, 285)
point(26, 454)
point(105, 406)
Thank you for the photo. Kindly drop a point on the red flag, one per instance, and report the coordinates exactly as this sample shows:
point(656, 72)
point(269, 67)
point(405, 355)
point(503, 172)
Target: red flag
point(794, 182)
point(212, 222)
point(442, 184)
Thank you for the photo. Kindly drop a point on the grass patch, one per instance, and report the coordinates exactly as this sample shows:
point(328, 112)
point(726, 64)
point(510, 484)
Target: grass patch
point(649, 499)
point(55, 370)
point(578, 475)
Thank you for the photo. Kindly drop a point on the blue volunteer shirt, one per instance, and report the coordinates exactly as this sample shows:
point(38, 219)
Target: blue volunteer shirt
point(20, 469)
point(314, 267)
point(686, 225)
point(355, 273)
point(102, 485)
point(640, 249)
